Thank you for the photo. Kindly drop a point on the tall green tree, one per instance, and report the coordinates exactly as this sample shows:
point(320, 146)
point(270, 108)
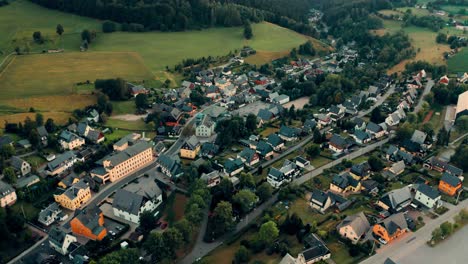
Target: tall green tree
point(245, 199)
point(59, 29)
point(248, 33)
point(141, 101)
point(264, 191)
point(268, 232)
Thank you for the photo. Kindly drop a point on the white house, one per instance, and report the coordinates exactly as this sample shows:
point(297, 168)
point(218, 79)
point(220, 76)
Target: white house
point(20, 165)
point(60, 241)
point(204, 126)
point(137, 198)
point(50, 214)
point(428, 196)
point(281, 99)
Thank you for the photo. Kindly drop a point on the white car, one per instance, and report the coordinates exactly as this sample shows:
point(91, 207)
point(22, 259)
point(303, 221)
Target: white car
point(382, 241)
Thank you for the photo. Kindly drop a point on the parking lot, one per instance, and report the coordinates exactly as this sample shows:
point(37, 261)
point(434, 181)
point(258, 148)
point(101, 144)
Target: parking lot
point(252, 108)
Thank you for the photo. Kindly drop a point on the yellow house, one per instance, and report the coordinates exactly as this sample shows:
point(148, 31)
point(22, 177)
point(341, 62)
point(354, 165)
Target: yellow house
point(344, 183)
point(360, 171)
point(75, 196)
point(68, 181)
point(190, 148)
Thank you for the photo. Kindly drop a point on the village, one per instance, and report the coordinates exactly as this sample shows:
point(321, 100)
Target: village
point(365, 181)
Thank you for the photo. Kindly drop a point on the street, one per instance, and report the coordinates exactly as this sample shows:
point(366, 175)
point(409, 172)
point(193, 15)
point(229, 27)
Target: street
point(427, 89)
point(402, 251)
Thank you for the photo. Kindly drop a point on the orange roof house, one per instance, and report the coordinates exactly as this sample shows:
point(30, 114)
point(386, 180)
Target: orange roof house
point(89, 223)
point(391, 228)
point(450, 184)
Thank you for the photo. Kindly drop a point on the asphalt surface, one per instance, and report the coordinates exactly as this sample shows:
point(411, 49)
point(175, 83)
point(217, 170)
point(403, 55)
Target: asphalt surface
point(412, 246)
point(379, 101)
point(427, 89)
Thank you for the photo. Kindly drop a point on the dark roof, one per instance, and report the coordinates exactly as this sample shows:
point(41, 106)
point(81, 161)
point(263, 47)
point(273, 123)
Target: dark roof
point(338, 141)
point(344, 180)
point(274, 140)
point(275, 174)
point(450, 179)
point(127, 201)
point(319, 196)
point(392, 149)
point(42, 131)
point(264, 148)
point(58, 161)
point(4, 140)
point(89, 217)
point(288, 131)
point(310, 124)
point(428, 191)
point(264, 114)
point(362, 169)
point(57, 235)
point(316, 249)
point(371, 126)
point(232, 165)
point(16, 162)
point(247, 153)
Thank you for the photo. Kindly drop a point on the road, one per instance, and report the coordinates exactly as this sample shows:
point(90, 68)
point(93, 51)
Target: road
point(379, 101)
point(202, 248)
point(401, 249)
point(427, 89)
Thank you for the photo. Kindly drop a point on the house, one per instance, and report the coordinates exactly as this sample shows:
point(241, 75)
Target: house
point(393, 119)
point(249, 156)
point(6, 140)
point(93, 116)
point(396, 200)
point(190, 148)
point(360, 171)
point(50, 214)
point(338, 144)
point(320, 201)
point(444, 80)
point(208, 150)
point(281, 99)
point(159, 148)
point(61, 163)
point(126, 141)
point(376, 131)
point(316, 251)
point(211, 179)
point(120, 164)
point(391, 228)
point(359, 123)
point(89, 223)
point(7, 194)
point(276, 178)
point(70, 141)
point(421, 138)
point(129, 205)
point(396, 169)
point(354, 227)
point(75, 196)
point(276, 142)
point(343, 183)
point(309, 126)
point(21, 166)
point(427, 196)
point(264, 149)
point(462, 105)
point(233, 166)
point(361, 137)
point(302, 162)
point(204, 126)
point(27, 181)
point(59, 240)
point(135, 90)
point(439, 165)
point(336, 112)
point(450, 184)
point(43, 135)
point(69, 180)
point(323, 120)
point(391, 152)
point(169, 166)
point(289, 133)
point(95, 136)
point(24, 143)
point(370, 187)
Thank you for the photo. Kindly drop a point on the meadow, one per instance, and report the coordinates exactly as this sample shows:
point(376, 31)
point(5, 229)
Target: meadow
point(459, 62)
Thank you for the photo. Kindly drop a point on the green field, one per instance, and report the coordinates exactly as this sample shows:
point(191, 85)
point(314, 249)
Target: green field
point(459, 62)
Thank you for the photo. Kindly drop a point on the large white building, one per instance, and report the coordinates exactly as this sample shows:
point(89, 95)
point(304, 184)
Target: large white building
point(428, 196)
point(462, 105)
point(205, 127)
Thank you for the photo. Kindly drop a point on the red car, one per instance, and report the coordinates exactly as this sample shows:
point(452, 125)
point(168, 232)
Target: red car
point(163, 225)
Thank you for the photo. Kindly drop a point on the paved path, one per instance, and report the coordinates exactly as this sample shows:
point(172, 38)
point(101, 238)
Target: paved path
point(401, 248)
point(380, 101)
point(427, 89)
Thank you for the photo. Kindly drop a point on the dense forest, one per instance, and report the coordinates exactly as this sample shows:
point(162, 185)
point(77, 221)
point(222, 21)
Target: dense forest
point(178, 15)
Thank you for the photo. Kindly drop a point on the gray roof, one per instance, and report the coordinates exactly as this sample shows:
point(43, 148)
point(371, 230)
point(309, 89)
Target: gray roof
point(127, 201)
point(48, 211)
point(89, 217)
point(319, 196)
point(418, 137)
point(288, 131)
point(275, 174)
point(94, 135)
point(392, 149)
point(247, 154)
point(145, 187)
point(57, 235)
point(274, 140)
point(316, 249)
point(192, 143)
point(57, 162)
point(73, 190)
point(264, 114)
point(208, 176)
point(397, 198)
point(17, 162)
point(128, 138)
point(394, 222)
point(428, 191)
point(371, 126)
point(82, 126)
point(450, 179)
point(68, 136)
point(5, 189)
point(358, 222)
point(27, 181)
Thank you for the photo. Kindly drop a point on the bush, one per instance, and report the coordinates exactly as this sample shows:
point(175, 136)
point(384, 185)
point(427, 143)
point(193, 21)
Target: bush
point(109, 26)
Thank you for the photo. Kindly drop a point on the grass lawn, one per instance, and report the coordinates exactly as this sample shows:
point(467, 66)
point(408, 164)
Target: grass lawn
point(302, 209)
point(30, 211)
point(123, 107)
point(459, 62)
point(161, 49)
point(58, 117)
point(55, 74)
point(129, 125)
point(35, 160)
point(268, 130)
point(319, 161)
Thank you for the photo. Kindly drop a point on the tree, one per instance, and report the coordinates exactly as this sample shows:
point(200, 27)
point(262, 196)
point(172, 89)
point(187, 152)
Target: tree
point(248, 34)
point(108, 27)
point(461, 156)
point(437, 234)
point(9, 175)
point(264, 191)
point(462, 123)
point(87, 36)
point(147, 221)
point(377, 116)
point(292, 224)
point(246, 180)
point(7, 151)
point(37, 37)
point(194, 213)
point(222, 218)
point(405, 131)
point(242, 255)
point(446, 228)
point(441, 38)
point(156, 245)
point(268, 232)
point(376, 163)
point(251, 123)
point(50, 125)
point(172, 240)
point(39, 119)
point(245, 199)
point(313, 151)
point(185, 228)
point(122, 256)
point(141, 101)
point(59, 29)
